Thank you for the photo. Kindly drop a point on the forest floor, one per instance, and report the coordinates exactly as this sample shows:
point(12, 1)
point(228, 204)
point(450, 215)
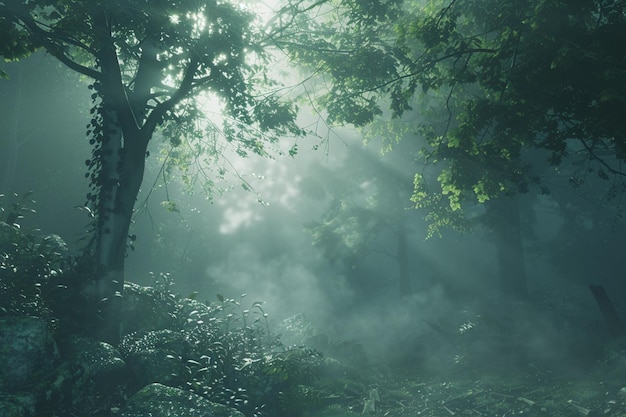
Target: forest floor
point(597, 392)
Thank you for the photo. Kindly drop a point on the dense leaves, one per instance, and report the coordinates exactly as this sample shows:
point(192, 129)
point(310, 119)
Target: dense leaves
point(498, 90)
point(30, 264)
point(149, 63)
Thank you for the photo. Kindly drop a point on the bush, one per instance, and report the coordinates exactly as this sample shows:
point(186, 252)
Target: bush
point(30, 264)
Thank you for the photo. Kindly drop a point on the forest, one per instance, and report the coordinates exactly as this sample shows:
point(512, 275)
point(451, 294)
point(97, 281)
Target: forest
point(312, 208)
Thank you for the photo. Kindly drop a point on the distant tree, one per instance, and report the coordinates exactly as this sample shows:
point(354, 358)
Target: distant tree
point(147, 62)
point(367, 217)
point(33, 126)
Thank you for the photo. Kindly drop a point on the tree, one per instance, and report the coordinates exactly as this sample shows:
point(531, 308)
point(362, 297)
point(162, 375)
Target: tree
point(33, 126)
point(147, 60)
point(497, 88)
point(367, 216)
point(506, 78)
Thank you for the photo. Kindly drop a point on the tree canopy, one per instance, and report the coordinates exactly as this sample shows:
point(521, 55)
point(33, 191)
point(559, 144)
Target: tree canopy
point(497, 93)
point(147, 62)
point(497, 89)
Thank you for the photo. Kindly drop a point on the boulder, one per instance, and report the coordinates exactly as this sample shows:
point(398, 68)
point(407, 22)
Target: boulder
point(27, 351)
point(88, 378)
point(145, 309)
point(154, 356)
point(157, 400)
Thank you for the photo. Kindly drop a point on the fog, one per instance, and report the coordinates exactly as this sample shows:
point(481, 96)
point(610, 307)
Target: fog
point(236, 244)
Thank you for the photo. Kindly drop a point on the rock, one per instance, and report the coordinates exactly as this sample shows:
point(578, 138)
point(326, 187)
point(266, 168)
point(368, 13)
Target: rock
point(157, 400)
point(17, 405)
point(27, 351)
point(154, 356)
point(88, 377)
point(145, 309)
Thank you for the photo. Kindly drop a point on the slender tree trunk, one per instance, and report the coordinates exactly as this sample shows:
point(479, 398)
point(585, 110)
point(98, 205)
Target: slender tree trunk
point(127, 130)
point(403, 262)
point(9, 136)
point(504, 219)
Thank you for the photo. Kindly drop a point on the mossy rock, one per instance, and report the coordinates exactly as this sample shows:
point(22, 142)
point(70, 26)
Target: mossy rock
point(157, 400)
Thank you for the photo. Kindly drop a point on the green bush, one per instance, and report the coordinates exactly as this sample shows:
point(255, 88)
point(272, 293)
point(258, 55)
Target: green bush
point(230, 358)
point(30, 264)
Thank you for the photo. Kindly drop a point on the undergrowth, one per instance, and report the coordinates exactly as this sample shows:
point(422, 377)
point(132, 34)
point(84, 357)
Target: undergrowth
point(230, 355)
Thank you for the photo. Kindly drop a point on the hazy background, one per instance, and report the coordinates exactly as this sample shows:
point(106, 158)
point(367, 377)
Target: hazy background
point(236, 245)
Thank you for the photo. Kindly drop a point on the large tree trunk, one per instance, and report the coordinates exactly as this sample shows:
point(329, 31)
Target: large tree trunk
point(120, 174)
point(504, 220)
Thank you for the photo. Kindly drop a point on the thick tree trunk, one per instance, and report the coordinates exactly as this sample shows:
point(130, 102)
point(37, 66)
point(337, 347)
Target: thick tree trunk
point(127, 129)
point(121, 175)
point(504, 219)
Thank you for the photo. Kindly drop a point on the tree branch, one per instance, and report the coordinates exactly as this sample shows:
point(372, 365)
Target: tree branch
point(186, 86)
point(46, 39)
point(601, 161)
point(112, 76)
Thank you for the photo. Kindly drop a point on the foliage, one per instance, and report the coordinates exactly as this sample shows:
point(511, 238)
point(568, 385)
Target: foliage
point(507, 91)
point(346, 44)
point(193, 71)
point(346, 230)
point(30, 264)
point(358, 214)
point(229, 356)
point(498, 91)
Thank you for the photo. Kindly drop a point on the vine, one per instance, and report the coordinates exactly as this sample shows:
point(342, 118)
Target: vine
point(95, 135)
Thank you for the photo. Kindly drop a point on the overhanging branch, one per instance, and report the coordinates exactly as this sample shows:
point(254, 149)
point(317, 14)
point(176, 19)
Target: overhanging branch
point(156, 116)
point(600, 160)
point(48, 40)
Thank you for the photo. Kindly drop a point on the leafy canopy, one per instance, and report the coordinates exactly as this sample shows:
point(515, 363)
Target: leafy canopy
point(495, 88)
point(167, 53)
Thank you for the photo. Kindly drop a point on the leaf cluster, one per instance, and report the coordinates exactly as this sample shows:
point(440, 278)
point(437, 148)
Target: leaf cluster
point(490, 84)
point(30, 264)
point(152, 61)
point(513, 78)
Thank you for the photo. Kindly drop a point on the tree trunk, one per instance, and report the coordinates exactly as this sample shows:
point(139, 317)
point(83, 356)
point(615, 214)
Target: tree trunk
point(127, 129)
point(9, 139)
point(120, 174)
point(121, 177)
point(403, 262)
point(504, 220)
point(611, 318)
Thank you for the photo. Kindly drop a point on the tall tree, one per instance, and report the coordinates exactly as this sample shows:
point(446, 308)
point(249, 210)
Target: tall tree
point(148, 60)
point(494, 85)
point(367, 215)
point(505, 78)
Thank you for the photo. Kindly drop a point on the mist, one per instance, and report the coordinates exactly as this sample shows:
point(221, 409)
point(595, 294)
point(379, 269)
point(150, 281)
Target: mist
point(332, 233)
point(258, 242)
